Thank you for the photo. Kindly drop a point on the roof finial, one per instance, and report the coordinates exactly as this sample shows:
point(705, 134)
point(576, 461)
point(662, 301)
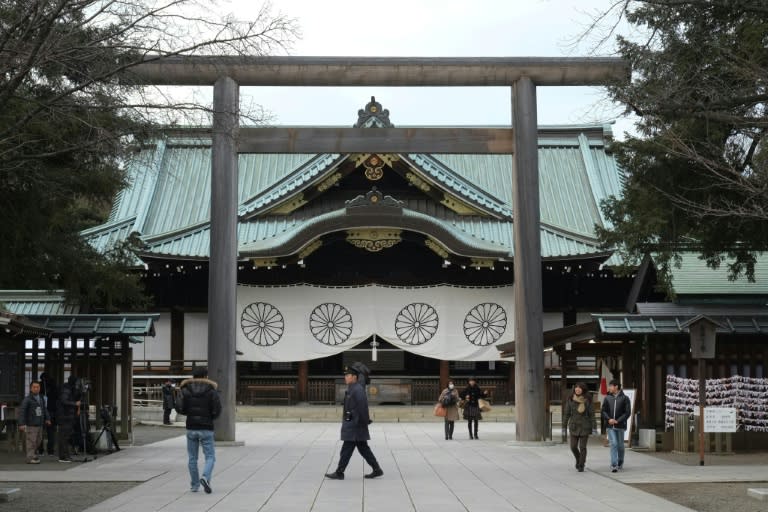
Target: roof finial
point(373, 115)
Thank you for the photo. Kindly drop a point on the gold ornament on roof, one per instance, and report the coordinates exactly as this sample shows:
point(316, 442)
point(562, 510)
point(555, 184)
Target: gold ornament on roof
point(374, 240)
point(374, 168)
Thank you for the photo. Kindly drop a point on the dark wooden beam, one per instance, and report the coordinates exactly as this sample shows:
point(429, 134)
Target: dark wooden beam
point(379, 71)
point(376, 140)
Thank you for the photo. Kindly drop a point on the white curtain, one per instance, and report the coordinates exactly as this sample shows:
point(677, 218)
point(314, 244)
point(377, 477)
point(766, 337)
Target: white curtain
point(303, 322)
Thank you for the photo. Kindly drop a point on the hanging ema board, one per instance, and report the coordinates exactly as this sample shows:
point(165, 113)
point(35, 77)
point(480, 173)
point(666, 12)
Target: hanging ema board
point(719, 419)
point(631, 421)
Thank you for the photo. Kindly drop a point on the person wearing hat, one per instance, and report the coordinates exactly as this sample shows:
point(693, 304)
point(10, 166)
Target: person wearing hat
point(354, 424)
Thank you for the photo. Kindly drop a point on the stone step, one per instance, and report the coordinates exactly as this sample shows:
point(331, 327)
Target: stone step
point(9, 494)
point(332, 413)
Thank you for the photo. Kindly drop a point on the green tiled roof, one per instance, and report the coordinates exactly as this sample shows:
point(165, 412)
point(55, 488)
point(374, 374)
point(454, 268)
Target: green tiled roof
point(622, 325)
point(695, 278)
point(168, 201)
point(37, 302)
point(485, 234)
point(99, 325)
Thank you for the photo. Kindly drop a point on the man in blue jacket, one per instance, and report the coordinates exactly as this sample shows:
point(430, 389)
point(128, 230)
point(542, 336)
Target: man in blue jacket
point(354, 425)
point(616, 410)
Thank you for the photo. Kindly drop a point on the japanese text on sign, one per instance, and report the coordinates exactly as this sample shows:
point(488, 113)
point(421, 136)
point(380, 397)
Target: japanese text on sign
point(719, 419)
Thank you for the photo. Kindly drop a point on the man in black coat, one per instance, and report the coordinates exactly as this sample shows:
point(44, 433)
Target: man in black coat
point(354, 425)
point(51, 396)
point(201, 404)
point(167, 401)
point(66, 415)
point(616, 410)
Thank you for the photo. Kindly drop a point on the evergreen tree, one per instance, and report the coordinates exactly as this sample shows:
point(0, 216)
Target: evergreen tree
point(697, 173)
point(70, 120)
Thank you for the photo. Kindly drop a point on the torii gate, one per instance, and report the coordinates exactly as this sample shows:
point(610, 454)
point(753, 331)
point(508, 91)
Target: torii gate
point(522, 74)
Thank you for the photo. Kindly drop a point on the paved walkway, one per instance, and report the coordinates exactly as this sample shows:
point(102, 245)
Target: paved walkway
point(281, 468)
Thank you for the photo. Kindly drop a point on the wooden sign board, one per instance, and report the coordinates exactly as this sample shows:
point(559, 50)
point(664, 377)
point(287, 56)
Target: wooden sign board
point(703, 333)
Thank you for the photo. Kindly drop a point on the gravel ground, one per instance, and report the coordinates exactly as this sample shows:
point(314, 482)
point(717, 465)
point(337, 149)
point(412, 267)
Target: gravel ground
point(711, 497)
point(70, 496)
point(76, 497)
point(67, 496)
point(707, 497)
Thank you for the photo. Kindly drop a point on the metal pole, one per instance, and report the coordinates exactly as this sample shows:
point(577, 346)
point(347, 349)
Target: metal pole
point(222, 274)
point(529, 341)
point(702, 401)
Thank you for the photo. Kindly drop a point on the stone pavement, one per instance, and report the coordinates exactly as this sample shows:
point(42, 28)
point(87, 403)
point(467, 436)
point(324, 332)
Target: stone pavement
point(281, 468)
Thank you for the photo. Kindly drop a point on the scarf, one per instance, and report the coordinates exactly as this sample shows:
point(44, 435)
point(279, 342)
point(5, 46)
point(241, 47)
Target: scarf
point(581, 400)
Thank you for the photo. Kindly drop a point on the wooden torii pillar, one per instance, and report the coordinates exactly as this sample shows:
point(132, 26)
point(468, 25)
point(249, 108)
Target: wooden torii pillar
point(522, 74)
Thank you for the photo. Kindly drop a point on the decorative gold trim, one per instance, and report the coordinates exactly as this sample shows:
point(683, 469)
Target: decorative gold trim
point(289, 206)
point(417, 182)
point(458, 206)
point(359, 158)
point(310, 249)
point(329, 182)
point(264, 262)
point(374, 240)
point(437, 247)
point(388, 158)
point(476, 262)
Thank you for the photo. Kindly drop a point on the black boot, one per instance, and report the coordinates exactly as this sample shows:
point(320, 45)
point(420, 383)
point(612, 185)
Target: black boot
point(336, 475)
point(376, 472)
point(447, 431)
point(450, 429)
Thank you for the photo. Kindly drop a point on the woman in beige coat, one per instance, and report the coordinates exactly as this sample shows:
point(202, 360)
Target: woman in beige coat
point(449, 399)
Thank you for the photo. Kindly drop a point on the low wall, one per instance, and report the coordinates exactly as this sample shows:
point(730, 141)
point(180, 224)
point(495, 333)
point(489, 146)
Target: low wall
point(153, 414)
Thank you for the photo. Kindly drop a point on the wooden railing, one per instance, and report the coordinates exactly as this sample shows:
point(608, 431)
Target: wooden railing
point(148, 376)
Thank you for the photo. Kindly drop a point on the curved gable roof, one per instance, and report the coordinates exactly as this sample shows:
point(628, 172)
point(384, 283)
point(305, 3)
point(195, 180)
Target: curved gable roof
point(168, 200)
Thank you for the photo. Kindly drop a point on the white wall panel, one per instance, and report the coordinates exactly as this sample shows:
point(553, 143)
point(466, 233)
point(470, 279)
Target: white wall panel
point(196, 336)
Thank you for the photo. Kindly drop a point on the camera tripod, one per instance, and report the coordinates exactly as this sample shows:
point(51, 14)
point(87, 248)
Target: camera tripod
point(84, 422)
point(106, 427)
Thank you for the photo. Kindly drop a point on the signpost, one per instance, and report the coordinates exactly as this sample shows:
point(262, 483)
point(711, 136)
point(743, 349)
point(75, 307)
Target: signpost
point(702, 330)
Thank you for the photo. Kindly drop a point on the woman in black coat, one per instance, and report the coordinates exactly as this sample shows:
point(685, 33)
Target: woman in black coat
point(472, 395)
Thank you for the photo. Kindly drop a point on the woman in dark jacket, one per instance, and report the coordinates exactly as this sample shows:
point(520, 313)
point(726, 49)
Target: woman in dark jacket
point(580, 420)
point(472, 395)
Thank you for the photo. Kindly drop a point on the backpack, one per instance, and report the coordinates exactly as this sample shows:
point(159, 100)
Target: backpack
point(178, 401)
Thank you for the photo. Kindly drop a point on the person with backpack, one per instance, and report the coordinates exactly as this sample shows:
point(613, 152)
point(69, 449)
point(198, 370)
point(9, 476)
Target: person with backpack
point(67, 414)
point(198, 399)
point(449, 399)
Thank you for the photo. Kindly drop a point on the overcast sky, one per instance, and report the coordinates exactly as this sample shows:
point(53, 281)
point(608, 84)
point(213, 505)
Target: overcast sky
point(435, 28)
